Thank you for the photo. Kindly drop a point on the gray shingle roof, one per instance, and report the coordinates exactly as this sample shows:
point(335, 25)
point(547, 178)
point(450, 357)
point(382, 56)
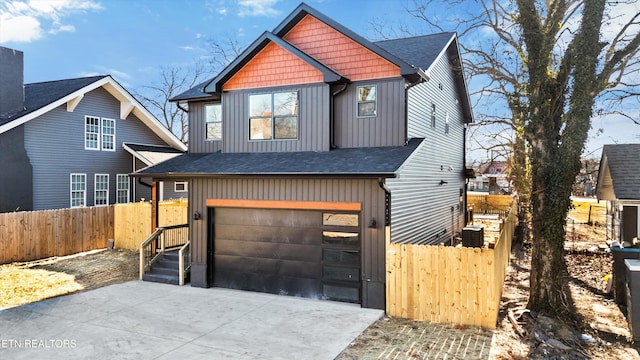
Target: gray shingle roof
point(39, 95)
point(373, 161)
point(624, 164)
point(420, 51)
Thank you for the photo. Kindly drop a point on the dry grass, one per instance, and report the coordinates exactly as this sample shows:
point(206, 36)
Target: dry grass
point(581, 210)
point(21, 285)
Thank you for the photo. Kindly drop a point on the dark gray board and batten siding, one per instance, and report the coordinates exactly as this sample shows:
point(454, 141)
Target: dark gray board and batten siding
point(61, 133)
point(420, 205)
point(313, 123)
point(387, 128)
point(364, 191)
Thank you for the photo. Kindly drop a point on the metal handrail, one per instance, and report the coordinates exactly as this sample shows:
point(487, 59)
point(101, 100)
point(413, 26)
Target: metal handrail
point(181, 255)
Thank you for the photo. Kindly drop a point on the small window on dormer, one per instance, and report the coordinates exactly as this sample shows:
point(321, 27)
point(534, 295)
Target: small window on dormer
point(367, 101)
point(273, 116)
point(213, 121)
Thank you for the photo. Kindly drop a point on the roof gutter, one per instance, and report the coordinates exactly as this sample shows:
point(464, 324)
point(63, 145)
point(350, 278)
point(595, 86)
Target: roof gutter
point(270, 175)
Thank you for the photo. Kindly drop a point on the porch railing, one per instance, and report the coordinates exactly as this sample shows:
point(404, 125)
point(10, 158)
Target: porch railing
point(184, 266)
point(164, 238)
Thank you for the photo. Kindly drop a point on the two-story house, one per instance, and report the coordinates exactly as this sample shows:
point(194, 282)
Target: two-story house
point(73, 142)
point(314, 148)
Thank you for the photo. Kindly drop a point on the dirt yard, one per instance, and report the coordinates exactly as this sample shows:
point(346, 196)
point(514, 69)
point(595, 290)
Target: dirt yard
point(23, 283)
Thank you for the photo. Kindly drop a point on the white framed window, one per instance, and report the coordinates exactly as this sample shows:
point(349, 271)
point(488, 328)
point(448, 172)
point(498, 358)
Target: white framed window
point(99, 134)
point(273, 116)
point(101, 189)
point(108, 130)
point(180, 186)
point(91, 133)
point(78, 190)
point(122, 188)
point(213, 122)
point(367, 105)
point(433, 115)
point(446, 122)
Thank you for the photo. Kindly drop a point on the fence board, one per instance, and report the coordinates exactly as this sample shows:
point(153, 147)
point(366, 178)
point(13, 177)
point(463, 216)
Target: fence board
point(132, 222)
point(448, 284)
point(32, 235)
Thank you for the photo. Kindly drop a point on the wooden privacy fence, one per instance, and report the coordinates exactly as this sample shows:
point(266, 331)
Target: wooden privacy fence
point(32, 235)
point(133, 221)
point(482, 203)
point(449, 284)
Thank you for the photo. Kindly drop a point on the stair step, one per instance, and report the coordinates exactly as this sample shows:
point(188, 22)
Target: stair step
point(161, 278)
point(164, 270)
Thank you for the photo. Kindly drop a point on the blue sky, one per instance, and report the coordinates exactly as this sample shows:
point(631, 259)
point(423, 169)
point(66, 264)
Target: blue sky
point(133, 39)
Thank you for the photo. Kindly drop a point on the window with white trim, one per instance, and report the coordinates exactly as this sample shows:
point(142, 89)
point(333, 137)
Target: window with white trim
point(273, 116)
point(180, 186)
point(101, 189)
point(99, 134)
point(446, 122)
point(122, 188)
point(367, 101)
point(78, 190)
point(91, 133)
point(433, 115)
point(213, 122)
point(108, 129)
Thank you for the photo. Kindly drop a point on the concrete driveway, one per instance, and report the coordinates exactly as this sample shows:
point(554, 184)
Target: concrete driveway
point(141, 320)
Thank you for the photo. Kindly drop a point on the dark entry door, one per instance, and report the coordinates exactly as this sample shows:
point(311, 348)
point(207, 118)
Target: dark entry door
point(307, 253)
point(629, 223)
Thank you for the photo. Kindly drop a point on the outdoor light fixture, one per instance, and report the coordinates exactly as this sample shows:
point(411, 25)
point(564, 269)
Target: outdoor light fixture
point(197, 216)
point(373, 223)
point(442, 182)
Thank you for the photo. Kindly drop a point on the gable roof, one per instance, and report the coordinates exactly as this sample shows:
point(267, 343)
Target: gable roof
point(353, 162)
point(619, 172)
point(43, 97)
point(424, 52)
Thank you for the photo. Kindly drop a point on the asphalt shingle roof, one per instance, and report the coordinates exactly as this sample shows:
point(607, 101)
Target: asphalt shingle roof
point(624, 164)
point(378, 161)
point(39, 95)
point(420, 51)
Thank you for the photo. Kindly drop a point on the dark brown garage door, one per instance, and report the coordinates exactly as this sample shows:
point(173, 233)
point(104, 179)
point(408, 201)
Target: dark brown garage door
point(289, 252)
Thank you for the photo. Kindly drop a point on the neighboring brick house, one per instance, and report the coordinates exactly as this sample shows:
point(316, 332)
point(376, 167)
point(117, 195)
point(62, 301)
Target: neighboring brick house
point(313, 149)
point(73, 142)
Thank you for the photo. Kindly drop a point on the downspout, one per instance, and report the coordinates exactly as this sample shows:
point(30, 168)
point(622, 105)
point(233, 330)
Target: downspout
point(181, 108)
point(387, 210)
point(332, 116)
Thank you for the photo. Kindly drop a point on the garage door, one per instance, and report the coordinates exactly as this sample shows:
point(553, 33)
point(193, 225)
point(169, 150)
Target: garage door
point(305, 253)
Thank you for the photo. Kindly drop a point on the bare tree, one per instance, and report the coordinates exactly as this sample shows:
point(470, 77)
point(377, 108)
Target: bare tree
point(549, 64)
point(173, 81)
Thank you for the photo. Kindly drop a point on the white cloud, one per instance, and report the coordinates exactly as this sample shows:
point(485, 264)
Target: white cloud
point(187, 47)
point(222, 11)
point(257, 8)
point(28, 20)
point(19, 28)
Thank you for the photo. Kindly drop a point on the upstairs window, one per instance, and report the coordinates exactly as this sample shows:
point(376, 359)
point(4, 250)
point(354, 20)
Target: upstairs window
point(101, 189)
point(367, 101)
point(99, 133)
point(91, 132)
point(273, 116)
point(213, 122)
point(446, 122)
point(108, 134)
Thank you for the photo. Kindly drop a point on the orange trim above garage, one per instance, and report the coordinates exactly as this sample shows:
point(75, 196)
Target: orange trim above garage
point(275, 204)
